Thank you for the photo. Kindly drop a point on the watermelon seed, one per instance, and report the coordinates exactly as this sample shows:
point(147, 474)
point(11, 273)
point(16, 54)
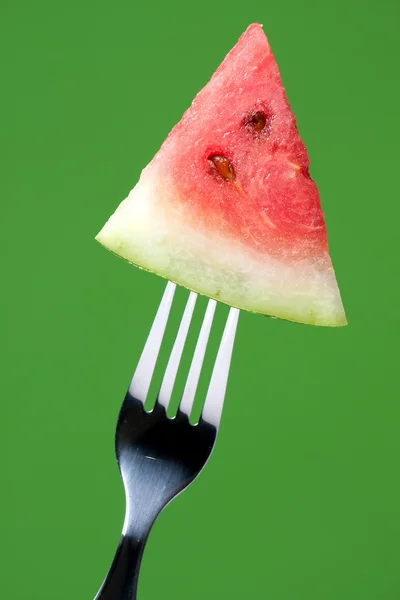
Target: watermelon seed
point(257, 122)
point(223, 166)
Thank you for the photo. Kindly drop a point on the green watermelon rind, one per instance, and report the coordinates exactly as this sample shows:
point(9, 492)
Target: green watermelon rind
point(311, 320)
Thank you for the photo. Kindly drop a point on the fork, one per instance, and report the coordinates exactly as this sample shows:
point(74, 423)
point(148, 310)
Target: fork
point(159, 456)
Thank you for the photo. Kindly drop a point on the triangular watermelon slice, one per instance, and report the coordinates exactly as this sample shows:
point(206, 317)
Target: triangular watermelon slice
point(227, 207)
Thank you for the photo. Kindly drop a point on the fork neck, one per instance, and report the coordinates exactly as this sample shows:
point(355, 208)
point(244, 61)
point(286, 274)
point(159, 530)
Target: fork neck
point(122, 580)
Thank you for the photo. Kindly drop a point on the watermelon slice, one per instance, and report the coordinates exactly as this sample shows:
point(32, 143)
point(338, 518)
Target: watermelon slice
point(227, 207)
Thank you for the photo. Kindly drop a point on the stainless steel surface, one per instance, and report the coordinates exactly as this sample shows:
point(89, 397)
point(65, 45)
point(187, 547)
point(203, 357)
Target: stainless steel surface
point(160, 456)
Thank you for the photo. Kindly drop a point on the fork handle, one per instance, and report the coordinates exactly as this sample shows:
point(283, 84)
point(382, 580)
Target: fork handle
point(122, 579)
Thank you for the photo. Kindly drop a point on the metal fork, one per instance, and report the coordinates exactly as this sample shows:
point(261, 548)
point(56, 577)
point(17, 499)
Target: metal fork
point(160, 456)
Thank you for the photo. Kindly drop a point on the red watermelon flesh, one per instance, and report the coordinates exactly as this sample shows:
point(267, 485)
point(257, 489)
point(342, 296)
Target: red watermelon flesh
point(227, 206)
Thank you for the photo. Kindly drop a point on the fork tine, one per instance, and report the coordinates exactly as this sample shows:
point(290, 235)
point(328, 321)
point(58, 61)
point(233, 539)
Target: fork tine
point(197, 362)
point(141, 380)
point(216, 391)
point(168, 381)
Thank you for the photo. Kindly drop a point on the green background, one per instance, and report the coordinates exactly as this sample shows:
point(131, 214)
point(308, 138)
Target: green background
point(301, 499)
